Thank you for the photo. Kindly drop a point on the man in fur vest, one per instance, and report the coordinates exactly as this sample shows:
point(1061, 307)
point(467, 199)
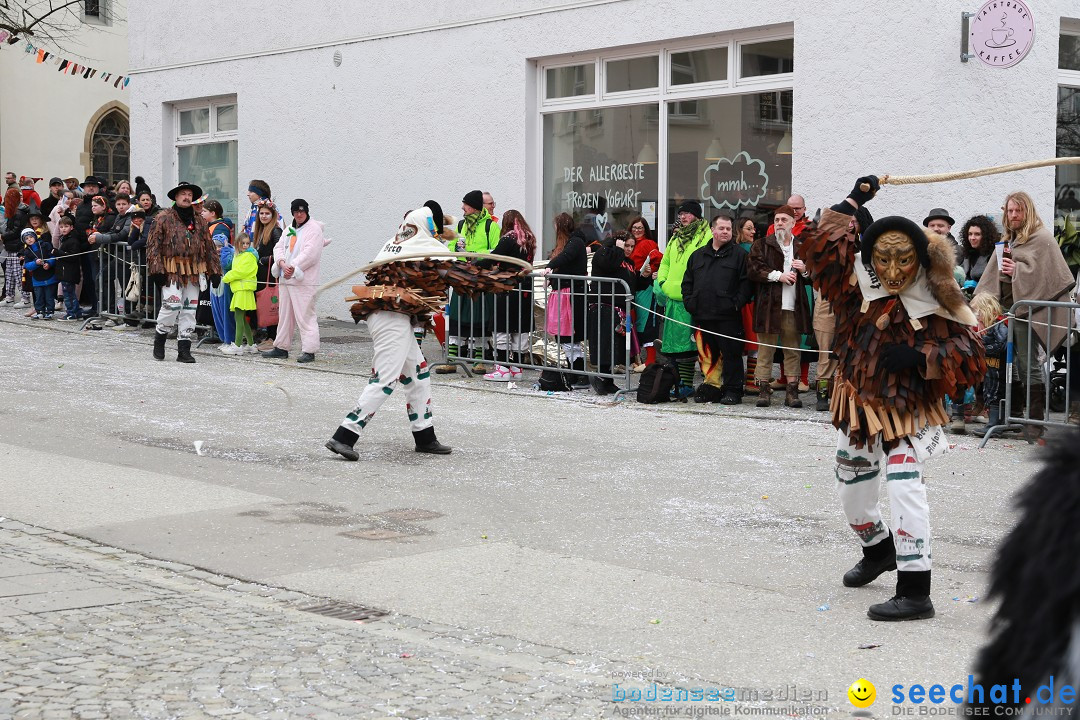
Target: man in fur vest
point(905, 339)
point(180, 258)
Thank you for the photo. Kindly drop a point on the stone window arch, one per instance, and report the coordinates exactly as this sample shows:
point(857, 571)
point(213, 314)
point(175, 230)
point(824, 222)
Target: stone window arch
point(110, 147)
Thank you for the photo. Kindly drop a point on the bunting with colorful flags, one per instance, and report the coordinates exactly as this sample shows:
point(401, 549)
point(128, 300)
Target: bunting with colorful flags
point(68, 67)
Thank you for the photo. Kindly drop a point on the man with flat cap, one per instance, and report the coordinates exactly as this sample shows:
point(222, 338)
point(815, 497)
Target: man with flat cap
point(940, 222)
point(180, 258)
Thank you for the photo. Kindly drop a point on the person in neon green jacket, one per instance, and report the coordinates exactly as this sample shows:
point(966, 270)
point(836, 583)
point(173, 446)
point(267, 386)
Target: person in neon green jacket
point(242, 280)
point(470, 320)
point(677, 341)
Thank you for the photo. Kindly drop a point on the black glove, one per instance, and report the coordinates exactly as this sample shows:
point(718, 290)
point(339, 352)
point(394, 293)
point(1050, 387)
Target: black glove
point(158, 279)
point(214, 278)
point(897, 358)
point(861, 196)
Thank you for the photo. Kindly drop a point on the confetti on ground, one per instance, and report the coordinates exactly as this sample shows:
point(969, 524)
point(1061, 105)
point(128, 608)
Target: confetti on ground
point(968, 599)
point(483, 537)
point(198, 447)
point(823, 608)
point(869, 646)
point(655, 622)
point(764, 497)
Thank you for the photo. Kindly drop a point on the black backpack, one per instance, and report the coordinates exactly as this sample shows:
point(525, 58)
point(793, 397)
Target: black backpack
point(656, 384)
point(553, 380)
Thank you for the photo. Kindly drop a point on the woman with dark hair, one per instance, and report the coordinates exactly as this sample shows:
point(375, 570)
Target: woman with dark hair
point(566, 302)
point(265, 234)
point(977, 241)
point(513, 311)
point(564, 225)
point(645, 258)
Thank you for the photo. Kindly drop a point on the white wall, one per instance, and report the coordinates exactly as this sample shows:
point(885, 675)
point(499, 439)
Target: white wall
point(45, 116)
point(878, 88)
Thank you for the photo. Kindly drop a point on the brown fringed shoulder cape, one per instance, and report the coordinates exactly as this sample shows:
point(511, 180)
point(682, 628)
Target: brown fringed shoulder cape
point(866, 399)
point(179, 251)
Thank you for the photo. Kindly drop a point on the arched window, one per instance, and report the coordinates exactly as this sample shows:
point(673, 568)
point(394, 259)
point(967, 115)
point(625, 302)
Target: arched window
point(110, 148)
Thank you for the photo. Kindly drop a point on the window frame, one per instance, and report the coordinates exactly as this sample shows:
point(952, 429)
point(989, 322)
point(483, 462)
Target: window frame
point(660, 96)
point(103, 16)
point(213, 135)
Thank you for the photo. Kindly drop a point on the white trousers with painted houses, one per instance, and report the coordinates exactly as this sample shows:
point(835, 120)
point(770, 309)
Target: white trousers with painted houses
point(859, 472)
point(178, 304)
point(399, 362)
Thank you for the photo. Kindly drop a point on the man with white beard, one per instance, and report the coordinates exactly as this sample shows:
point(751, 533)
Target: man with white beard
point(781, 305)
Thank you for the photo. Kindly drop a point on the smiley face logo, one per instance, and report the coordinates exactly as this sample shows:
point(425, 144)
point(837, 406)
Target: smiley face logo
point(862, 693)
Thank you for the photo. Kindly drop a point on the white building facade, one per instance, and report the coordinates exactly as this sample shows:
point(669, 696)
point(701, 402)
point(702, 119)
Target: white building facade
point(367, 110)
point(57, 123)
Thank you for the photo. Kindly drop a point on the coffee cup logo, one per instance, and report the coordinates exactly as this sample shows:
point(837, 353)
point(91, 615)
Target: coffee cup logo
point(1002, 36)
point(1002, 32)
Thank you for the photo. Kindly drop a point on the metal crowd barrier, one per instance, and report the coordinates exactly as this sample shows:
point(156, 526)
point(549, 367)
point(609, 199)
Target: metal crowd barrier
point(558, 318)
point(117, 262)
point(1049, 372)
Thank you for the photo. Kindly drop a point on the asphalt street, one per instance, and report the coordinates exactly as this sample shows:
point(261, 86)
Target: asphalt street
point(696, 543)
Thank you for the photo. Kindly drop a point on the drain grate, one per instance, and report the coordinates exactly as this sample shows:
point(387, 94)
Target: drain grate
point(345, 611)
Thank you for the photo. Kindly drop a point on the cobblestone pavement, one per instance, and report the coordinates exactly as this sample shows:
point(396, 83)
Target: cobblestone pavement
point(91, 632)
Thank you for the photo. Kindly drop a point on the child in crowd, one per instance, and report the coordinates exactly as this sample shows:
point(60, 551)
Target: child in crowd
point(995, 334)
point(241, 279)
point(69, 268)
point(38, 261)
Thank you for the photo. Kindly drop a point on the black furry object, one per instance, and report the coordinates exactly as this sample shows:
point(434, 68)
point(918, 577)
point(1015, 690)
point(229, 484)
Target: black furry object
point(1037, 577)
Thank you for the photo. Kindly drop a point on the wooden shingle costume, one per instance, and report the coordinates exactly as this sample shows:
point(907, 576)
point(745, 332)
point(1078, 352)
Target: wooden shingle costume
point(905, 340)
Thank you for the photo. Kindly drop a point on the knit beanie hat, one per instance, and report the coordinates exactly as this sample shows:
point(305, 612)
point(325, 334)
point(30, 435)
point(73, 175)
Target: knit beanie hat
point(300, 205)
point(474, 199)
point(690, 207)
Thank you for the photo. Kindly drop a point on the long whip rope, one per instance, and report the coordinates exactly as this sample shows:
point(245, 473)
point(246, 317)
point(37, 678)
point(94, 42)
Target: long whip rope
point(968, 174)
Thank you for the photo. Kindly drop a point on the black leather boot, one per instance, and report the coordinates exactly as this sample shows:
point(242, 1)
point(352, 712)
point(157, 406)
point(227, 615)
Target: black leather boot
point(342, 444)
point(426, 442)
point(159, 345)
point(183, 351)
point(823, 388)
point(877, 559)
point(911, 602)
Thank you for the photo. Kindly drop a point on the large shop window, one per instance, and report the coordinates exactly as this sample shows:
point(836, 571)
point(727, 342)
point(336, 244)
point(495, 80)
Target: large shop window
point(732, 154)
point(1067, 196)
point(206, 149)
point(708, 120)
point(599, 157)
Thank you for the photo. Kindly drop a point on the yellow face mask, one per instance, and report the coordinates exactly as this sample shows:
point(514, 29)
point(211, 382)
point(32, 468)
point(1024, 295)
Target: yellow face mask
point(895, 261)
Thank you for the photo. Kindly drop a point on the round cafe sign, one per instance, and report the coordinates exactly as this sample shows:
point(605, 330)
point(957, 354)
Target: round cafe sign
point(1002, 32)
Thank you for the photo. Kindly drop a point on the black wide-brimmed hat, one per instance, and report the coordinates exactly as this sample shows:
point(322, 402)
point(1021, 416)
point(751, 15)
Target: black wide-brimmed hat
point(92, 180)
point(938, 214)
point(196, 191)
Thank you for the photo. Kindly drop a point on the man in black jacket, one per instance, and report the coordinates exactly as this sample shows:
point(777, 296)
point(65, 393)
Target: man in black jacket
point(715, 288)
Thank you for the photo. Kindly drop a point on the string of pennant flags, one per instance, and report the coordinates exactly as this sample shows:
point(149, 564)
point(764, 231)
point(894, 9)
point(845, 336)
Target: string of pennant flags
point(68, 67)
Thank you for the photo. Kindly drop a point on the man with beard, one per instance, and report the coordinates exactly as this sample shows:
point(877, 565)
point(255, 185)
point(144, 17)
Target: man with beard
point(781, 307)
point(905, 339)
point(181, 258)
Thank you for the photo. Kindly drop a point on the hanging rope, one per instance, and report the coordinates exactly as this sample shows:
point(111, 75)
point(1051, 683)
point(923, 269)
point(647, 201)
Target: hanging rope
point(968, 174)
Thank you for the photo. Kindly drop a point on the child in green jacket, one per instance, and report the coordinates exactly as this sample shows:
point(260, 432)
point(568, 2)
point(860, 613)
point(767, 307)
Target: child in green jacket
point(241, 279)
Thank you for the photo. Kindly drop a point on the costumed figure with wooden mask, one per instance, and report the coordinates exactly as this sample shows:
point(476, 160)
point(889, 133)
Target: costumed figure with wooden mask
point(905, 339)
